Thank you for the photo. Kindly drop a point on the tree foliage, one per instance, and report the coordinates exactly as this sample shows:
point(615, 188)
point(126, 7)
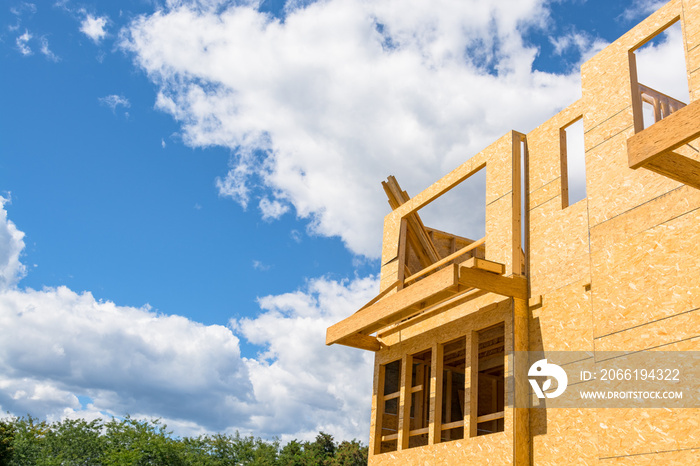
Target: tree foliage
point(28, 441)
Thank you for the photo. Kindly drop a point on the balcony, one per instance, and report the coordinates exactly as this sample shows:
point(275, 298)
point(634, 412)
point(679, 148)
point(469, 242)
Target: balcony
point(667, 147)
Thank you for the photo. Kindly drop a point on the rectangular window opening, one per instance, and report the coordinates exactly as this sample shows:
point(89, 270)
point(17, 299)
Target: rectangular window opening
point(453, 386)
point(573, 163)
point(390, 409)
point(662, 79)
point(451, 222)
point(419, 409)
point(491, 381)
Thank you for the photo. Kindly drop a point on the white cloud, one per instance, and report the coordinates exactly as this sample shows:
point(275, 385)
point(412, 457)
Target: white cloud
point(47, 51)
point(640, 9)
point(94, 27)
point(582, 42)
point(23, 43)
point(11, 246)
point(301, 385)
point(272, 210)
point(58, 347)
point(320, 108)
point(257, 265)
point(114, 101)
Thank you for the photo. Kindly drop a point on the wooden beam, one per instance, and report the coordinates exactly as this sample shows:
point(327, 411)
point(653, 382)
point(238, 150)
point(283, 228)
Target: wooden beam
point(653, 148)
point(372, 318)
point(453, 425)
point(418, 236)
point(485, 265)
point(445, 260)
point(677, 167)
point(358, 340)
point(380, 295)
point(515, 286)
point(490, 417)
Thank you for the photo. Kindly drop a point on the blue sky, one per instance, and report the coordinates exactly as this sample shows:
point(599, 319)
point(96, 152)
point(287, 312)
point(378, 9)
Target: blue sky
point(193, 187)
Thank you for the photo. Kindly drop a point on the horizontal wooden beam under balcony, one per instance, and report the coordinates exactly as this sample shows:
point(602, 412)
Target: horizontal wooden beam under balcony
point(653, 148)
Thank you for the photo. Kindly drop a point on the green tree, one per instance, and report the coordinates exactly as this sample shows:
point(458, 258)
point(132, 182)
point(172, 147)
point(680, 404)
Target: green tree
point(7, 438)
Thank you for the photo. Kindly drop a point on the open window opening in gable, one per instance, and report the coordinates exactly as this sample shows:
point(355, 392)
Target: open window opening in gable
point(448, 225)
point(659, 75)
point(491, 380)
point(388, 406)
point(453, 389)
point(573, 163)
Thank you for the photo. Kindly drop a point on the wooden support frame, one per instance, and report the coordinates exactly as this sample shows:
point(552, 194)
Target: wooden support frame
point(654, 147)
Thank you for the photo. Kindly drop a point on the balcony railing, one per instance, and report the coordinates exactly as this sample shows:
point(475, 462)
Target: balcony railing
point(662, 104)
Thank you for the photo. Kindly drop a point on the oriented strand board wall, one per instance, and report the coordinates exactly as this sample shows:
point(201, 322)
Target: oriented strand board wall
point(635, 240)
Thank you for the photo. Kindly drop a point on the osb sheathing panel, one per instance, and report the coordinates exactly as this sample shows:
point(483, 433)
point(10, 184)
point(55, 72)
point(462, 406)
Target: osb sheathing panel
point(544, 152)
point(390, 237)
point(634, 431)
point(499, 232)
point(669, 205)
point(605, 78)
point(551, 190)
point(494, 449)
point(612, 187)
point(552, 441)
point(665, 458)
point(694, 83)
point(616, 124)
point(691, 17)
point(652, 275)
point(659, 333)
point(558, 245)
point(563, 323)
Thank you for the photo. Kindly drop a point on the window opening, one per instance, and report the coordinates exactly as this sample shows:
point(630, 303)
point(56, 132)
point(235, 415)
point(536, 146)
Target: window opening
point(453, 366)
point(573, 163)
point(420, 399)
point(661, 75)
point(390, 409)
point(453, 221)
point(491, 380)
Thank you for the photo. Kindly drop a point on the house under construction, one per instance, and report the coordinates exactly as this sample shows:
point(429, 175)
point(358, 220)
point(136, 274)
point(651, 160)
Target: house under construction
point(618, 270)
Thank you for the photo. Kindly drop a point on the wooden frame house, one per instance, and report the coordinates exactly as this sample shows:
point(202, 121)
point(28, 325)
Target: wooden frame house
point(618, 270)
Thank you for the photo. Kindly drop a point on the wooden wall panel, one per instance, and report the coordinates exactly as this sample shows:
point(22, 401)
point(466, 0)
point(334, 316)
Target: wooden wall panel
point(657, 333)
point(563, 322)
point(612, 187)
point(558, 246)
point(631, 431)
point(650, 276)
point(666, 458)
point(553, 432)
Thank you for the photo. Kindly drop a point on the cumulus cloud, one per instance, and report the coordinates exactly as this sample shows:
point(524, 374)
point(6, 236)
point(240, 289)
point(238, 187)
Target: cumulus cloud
point(65, 354)
point(322, 106)
point(94, 27)
point(301, 385)
point(272, 209)
point(11, 246)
